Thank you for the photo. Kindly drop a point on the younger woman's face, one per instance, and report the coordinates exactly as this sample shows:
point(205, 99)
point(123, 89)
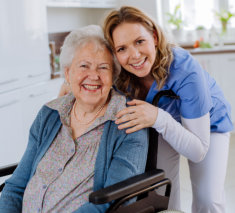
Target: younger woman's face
point(135, 48)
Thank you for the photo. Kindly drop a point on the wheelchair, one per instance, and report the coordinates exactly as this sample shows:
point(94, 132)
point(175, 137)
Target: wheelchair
point(136, 194)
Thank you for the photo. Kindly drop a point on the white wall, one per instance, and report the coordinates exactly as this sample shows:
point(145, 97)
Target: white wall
point(149, 6)
point(67, 19)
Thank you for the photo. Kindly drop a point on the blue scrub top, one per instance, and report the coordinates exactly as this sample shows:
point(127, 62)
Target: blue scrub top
point(198, 92)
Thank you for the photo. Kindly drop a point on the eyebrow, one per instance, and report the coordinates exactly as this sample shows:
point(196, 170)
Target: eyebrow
point(105, 63)
point(119, 46)
point(82, 61)
point(122, 45)
point(102, 63)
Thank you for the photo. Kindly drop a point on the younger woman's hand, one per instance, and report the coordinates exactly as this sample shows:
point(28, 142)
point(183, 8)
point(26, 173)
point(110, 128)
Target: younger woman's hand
point(139, 115)
point(64, 89)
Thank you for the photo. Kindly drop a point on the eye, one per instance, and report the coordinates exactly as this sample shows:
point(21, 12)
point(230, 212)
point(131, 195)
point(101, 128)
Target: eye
point(121, 49)
point(83, 66)
point(140, 41)
point(104, 67)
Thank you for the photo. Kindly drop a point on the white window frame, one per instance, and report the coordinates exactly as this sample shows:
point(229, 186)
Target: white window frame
point(163, 7)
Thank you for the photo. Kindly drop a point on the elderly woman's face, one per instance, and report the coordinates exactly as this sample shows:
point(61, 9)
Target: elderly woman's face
point(90, 74)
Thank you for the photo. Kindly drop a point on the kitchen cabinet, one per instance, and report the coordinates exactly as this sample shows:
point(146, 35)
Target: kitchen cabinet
point(32, 99)
point(221, 66)
point(25, 83)
point(24, 48)
point(9, 79)
point(10, 128)
point(64, 16)
point(24, 64)
point(18, 110)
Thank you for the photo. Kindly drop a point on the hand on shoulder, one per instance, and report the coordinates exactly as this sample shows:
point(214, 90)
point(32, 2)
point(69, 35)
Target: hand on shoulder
point(64, 89)
point(139, 115)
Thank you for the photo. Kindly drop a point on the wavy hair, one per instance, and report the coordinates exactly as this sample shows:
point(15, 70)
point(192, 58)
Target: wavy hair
point(127, 82)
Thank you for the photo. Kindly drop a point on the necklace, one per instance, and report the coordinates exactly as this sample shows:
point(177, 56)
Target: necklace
point(86, 123)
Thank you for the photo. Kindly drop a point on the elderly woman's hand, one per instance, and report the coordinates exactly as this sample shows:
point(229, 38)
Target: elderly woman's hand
point(139, 115)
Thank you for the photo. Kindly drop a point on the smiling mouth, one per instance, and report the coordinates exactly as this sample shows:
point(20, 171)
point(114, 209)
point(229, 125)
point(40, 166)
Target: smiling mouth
point(91, 87)
point(139, 64)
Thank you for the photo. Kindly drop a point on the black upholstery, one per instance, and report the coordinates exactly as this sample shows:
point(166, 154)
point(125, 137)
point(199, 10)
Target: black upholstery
point(6, 170)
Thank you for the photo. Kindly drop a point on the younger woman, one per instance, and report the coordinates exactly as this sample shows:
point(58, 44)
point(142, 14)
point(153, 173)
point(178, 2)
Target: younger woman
point(197, 125)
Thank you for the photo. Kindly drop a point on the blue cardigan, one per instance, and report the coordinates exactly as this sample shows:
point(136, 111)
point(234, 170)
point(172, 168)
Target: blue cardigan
point(120, 156)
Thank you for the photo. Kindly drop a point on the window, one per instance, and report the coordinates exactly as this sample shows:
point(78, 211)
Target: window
point(231, 5)
point(196, 13)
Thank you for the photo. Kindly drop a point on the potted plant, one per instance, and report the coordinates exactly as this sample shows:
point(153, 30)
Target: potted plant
point(175, 18)
point(224, 16)
point(200, 32)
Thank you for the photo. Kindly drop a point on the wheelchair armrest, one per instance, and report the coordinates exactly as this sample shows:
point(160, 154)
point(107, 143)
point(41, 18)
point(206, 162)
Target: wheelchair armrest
point(7, 170)
point(126, 187)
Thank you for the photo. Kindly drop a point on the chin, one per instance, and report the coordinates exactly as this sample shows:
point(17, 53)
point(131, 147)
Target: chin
point(142, 74)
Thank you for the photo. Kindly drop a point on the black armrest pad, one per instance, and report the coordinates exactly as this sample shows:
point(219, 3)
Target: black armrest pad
point(7, 170)
point(126, 187)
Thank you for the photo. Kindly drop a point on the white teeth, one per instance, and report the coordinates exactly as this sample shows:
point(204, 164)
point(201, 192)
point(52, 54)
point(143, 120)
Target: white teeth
point(91, 87)
point(140, 63)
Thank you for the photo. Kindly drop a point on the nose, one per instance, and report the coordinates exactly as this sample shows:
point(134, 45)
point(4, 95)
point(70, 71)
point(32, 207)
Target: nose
point(93, 74)
point(134, 53)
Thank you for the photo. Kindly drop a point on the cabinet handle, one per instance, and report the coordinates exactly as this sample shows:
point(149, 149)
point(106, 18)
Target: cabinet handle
point(9, 103)
point(36, 75)
point(9, 81)
point(37, 95)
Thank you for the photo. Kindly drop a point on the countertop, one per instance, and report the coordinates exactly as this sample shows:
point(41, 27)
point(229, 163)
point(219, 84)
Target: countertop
point(213, 50)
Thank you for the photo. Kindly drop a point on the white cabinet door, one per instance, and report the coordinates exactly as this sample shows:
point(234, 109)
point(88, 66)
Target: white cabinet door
point(18, 110)
point(9, 46)
point(11, 147)
point(222, 68)
point(24, 51)
point(33, 98)
point(34, 39)
point(227, 77)
point(211, 63)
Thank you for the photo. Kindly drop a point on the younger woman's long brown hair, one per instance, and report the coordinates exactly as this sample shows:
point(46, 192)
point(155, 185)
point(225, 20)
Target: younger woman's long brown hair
point(127, 82)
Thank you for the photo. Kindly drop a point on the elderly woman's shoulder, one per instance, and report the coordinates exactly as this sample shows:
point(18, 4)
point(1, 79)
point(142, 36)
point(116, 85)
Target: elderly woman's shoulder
point(60, 101)
point(119, 95)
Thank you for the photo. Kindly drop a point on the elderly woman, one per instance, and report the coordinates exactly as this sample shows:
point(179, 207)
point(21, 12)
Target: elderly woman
point(74, 144)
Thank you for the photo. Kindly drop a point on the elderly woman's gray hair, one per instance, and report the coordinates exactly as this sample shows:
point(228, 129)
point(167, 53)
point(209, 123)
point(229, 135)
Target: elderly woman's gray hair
point(80, 37)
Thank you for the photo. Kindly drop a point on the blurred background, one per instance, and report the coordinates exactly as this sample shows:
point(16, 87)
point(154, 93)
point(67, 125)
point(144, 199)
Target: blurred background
point(32, 32)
